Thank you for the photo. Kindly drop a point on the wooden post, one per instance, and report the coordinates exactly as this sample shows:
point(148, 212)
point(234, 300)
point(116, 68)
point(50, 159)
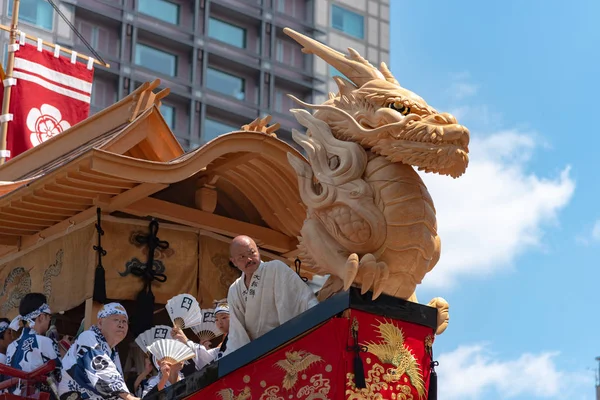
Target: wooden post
point(91, 313)
point(9, 72)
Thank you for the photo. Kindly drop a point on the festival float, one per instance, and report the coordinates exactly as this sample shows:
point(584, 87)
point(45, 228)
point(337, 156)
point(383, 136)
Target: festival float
point(113, 209)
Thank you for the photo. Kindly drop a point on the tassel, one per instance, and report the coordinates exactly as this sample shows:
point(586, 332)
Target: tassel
point(359, 372)
point(100, 285)
point(432, 395)
point(144, 310)
point(99, 294)
point(359, 369)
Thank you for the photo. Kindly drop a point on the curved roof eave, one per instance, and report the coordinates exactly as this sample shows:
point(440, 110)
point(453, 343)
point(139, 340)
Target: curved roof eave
point(191, 163)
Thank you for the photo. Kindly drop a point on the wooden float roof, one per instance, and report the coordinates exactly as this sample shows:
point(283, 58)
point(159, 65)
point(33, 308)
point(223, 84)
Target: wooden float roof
point(121, 156)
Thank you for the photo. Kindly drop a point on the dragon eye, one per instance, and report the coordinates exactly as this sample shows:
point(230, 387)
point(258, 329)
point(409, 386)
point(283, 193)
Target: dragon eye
point(334, 162)
point(400, 107)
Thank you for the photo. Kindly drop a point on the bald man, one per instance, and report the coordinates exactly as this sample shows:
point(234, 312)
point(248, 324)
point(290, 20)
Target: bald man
point(264, 297)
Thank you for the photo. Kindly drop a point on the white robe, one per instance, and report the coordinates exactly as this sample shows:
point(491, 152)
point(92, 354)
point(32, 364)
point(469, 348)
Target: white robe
point(203, 357)
point(276, 294)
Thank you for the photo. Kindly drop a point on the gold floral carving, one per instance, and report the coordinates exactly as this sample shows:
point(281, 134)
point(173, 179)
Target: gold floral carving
point(229, 394)
point(317, 390)
point(429, 345)
point(375, 384)
point(391, 350)
point(271, 393)
point(294, 363)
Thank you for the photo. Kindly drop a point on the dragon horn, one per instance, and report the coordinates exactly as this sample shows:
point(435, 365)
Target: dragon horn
point(356, 68)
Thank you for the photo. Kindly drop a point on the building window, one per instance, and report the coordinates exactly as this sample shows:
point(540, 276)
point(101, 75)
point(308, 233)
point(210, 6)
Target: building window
point(347, 21)
point(36, 12)
point(289, 53)
point(160, 9)
point(104, 93)
point(102, 39)
point(156, 60)
point(225, 83)
point(168, 113)
point(283, 103)
point(292, 7)
point(228, 33)
point(214, 128)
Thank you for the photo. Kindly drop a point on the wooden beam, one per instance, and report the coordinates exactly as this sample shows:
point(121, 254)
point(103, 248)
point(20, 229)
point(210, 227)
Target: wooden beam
point(132, 195)
point(264, 237)
point(9, 240)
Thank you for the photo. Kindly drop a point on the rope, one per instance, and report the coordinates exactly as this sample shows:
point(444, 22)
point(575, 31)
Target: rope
point(79, 35)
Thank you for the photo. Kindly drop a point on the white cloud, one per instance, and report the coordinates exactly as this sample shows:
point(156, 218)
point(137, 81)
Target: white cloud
point(461, 90)
point(590, 236)
point(497, 210)
point(461, 87)
point(596, 230)
point(471, 372)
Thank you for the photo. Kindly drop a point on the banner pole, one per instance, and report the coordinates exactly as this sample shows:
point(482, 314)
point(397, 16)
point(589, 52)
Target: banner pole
point(9, 72)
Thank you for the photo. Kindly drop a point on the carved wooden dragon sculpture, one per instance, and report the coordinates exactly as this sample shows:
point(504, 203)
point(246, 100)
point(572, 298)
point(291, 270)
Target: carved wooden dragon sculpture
point(371, 221)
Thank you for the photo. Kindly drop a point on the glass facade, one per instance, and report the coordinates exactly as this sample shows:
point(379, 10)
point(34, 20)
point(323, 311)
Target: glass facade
point(155, 59)
point(347, 21)
point(225, 83)
point(214, 128)
point(226, 62)
point(160, 9)
point(168, 113)
point(36, 12)
point(227, 33)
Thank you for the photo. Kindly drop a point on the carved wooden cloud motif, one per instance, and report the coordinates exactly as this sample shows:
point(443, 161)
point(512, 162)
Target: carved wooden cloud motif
point(371, 221)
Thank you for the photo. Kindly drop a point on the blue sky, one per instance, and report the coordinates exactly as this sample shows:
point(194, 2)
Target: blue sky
point(519, 249)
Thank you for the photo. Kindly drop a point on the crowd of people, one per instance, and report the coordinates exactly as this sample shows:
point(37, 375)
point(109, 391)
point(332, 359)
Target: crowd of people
point(266, 295)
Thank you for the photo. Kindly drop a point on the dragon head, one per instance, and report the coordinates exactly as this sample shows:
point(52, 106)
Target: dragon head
point(372, 109)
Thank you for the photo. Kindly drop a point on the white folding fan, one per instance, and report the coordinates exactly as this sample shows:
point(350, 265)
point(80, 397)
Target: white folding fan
point(207, 330)
point(171, 351)
point(184, 311)
point(150, 336)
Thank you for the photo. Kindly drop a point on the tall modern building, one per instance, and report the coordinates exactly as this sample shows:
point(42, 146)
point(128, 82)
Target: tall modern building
point(226, 62)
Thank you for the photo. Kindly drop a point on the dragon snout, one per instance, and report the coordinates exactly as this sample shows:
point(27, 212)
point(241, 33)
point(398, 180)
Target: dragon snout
point(445, 119)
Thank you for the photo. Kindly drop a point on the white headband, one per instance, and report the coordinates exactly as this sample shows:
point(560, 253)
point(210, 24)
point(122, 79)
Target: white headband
point(3, 327)
point(223, 307)
point(30, 318)
point(15, 323)
point(112, 309)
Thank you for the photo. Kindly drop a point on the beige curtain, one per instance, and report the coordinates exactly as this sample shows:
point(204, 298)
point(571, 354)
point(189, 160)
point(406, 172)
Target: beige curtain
point(59, 269)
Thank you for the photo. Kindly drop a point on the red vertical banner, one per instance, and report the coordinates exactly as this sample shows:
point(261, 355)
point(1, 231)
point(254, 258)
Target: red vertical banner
point(49, 95)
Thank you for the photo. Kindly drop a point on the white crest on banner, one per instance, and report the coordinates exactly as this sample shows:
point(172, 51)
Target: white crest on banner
point(44, 123)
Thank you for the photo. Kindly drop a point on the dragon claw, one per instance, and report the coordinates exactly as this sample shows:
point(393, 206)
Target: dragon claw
point(443, 314)
point(368, 266)
point(383, 275)
point(373, 275)
point(351, 270)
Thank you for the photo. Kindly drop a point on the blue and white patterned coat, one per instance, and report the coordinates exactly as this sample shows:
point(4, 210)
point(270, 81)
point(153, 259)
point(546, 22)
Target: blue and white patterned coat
point(92, 369)
point(29, 352)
